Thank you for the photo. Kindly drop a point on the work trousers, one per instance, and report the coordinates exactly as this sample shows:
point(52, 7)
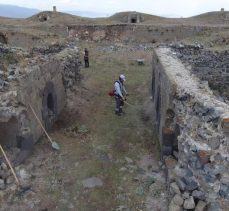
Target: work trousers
point(119, 104)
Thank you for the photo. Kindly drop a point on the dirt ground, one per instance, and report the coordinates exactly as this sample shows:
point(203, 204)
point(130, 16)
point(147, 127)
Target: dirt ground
point(105, 162)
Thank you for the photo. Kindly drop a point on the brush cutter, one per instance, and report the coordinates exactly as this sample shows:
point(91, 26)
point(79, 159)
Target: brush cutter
point(54, 144)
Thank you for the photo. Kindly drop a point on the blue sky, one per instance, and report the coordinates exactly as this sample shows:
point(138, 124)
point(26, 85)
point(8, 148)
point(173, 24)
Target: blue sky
point(176, 8)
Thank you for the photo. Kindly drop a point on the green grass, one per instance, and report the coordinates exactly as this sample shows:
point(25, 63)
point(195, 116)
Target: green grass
point(125, 136)
point(109, 136)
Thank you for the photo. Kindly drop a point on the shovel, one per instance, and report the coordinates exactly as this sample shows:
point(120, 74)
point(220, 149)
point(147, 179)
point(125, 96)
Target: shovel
point(54, 144)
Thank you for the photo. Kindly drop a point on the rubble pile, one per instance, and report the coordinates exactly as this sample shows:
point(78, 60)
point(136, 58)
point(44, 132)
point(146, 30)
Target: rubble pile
point(6, 177)
point(209, 66)
point(10, 190)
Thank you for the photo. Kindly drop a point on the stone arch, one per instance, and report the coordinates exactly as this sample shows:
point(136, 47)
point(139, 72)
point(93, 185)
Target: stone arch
point(49, 105)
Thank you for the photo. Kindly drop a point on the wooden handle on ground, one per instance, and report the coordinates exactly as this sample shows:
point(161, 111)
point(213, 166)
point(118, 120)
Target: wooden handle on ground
point(7, 160)
point(40, 124)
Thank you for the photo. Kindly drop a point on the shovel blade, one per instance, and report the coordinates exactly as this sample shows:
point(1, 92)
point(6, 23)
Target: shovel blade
point(55, 145)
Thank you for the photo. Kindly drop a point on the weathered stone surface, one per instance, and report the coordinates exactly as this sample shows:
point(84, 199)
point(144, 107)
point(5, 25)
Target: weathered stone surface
point(174, 207)
point(190, 184)
point(92, 182)
point(198, 195)
point(204, 156)
point(10, 180)
point(189, 203)
point(178, 200)
point(208, 66)
point(170, 163)
point(200, 206)
point(213, 206)
point(4, 174)
point(2, 184)
point(41, 77)
point(224, 190)
point(180, 184)
point(200, 117)
point(4, 166)
point(174, 188)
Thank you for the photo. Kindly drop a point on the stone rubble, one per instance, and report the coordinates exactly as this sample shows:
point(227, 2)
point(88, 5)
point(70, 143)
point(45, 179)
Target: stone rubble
point(17, 68)
point(207, 65)
point(200, 175)
point(8, 185)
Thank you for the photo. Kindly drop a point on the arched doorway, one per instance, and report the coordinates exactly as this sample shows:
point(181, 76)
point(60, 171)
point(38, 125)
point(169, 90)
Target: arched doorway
point(49, 102)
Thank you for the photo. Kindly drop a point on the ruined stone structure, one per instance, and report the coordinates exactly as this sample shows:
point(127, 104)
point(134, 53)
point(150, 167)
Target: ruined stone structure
point(40, 81)
point(137, 33)
point(135, 18)
point(3, 38)
point(193, 128)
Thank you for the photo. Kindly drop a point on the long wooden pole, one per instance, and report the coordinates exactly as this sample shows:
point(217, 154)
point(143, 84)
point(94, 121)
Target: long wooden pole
point(40, 124)
point(7, 160)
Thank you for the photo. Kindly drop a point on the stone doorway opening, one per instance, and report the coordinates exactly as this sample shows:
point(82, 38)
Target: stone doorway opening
point(133, 20)
point(50, 102)
point(49, 105)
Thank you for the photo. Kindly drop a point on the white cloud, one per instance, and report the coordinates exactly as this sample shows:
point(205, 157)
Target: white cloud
point(177, 7)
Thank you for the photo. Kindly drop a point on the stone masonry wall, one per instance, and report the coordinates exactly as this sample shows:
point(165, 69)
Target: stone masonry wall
point(136, 32)
point(193, 129)
point(43, 84)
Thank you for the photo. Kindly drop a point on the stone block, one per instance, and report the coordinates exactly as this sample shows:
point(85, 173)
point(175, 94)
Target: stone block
point(204, 156)
point(180, 184)
point(225, 125)
point(189, 203)
point(198, 195)
point(190, 184)
point(200, 206)
point(170, 163)
point(224, 190)
point(213, 206)
point(178, 200)
point(2, 184)
point(174, 188)
point(174, 207)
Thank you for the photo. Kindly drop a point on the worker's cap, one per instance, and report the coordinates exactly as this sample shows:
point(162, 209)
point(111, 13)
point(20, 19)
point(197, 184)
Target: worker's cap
point(122, 77)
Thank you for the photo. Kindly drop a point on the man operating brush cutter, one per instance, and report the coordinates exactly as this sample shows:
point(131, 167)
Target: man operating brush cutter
point(119, 91)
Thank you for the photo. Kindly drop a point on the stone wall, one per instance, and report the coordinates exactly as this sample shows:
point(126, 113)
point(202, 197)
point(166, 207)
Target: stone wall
point(136, 32)
point(192, 126)
point(41, 83)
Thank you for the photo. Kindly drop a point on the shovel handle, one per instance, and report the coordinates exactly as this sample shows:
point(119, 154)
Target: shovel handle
point(7, 160)
point(34, 113)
